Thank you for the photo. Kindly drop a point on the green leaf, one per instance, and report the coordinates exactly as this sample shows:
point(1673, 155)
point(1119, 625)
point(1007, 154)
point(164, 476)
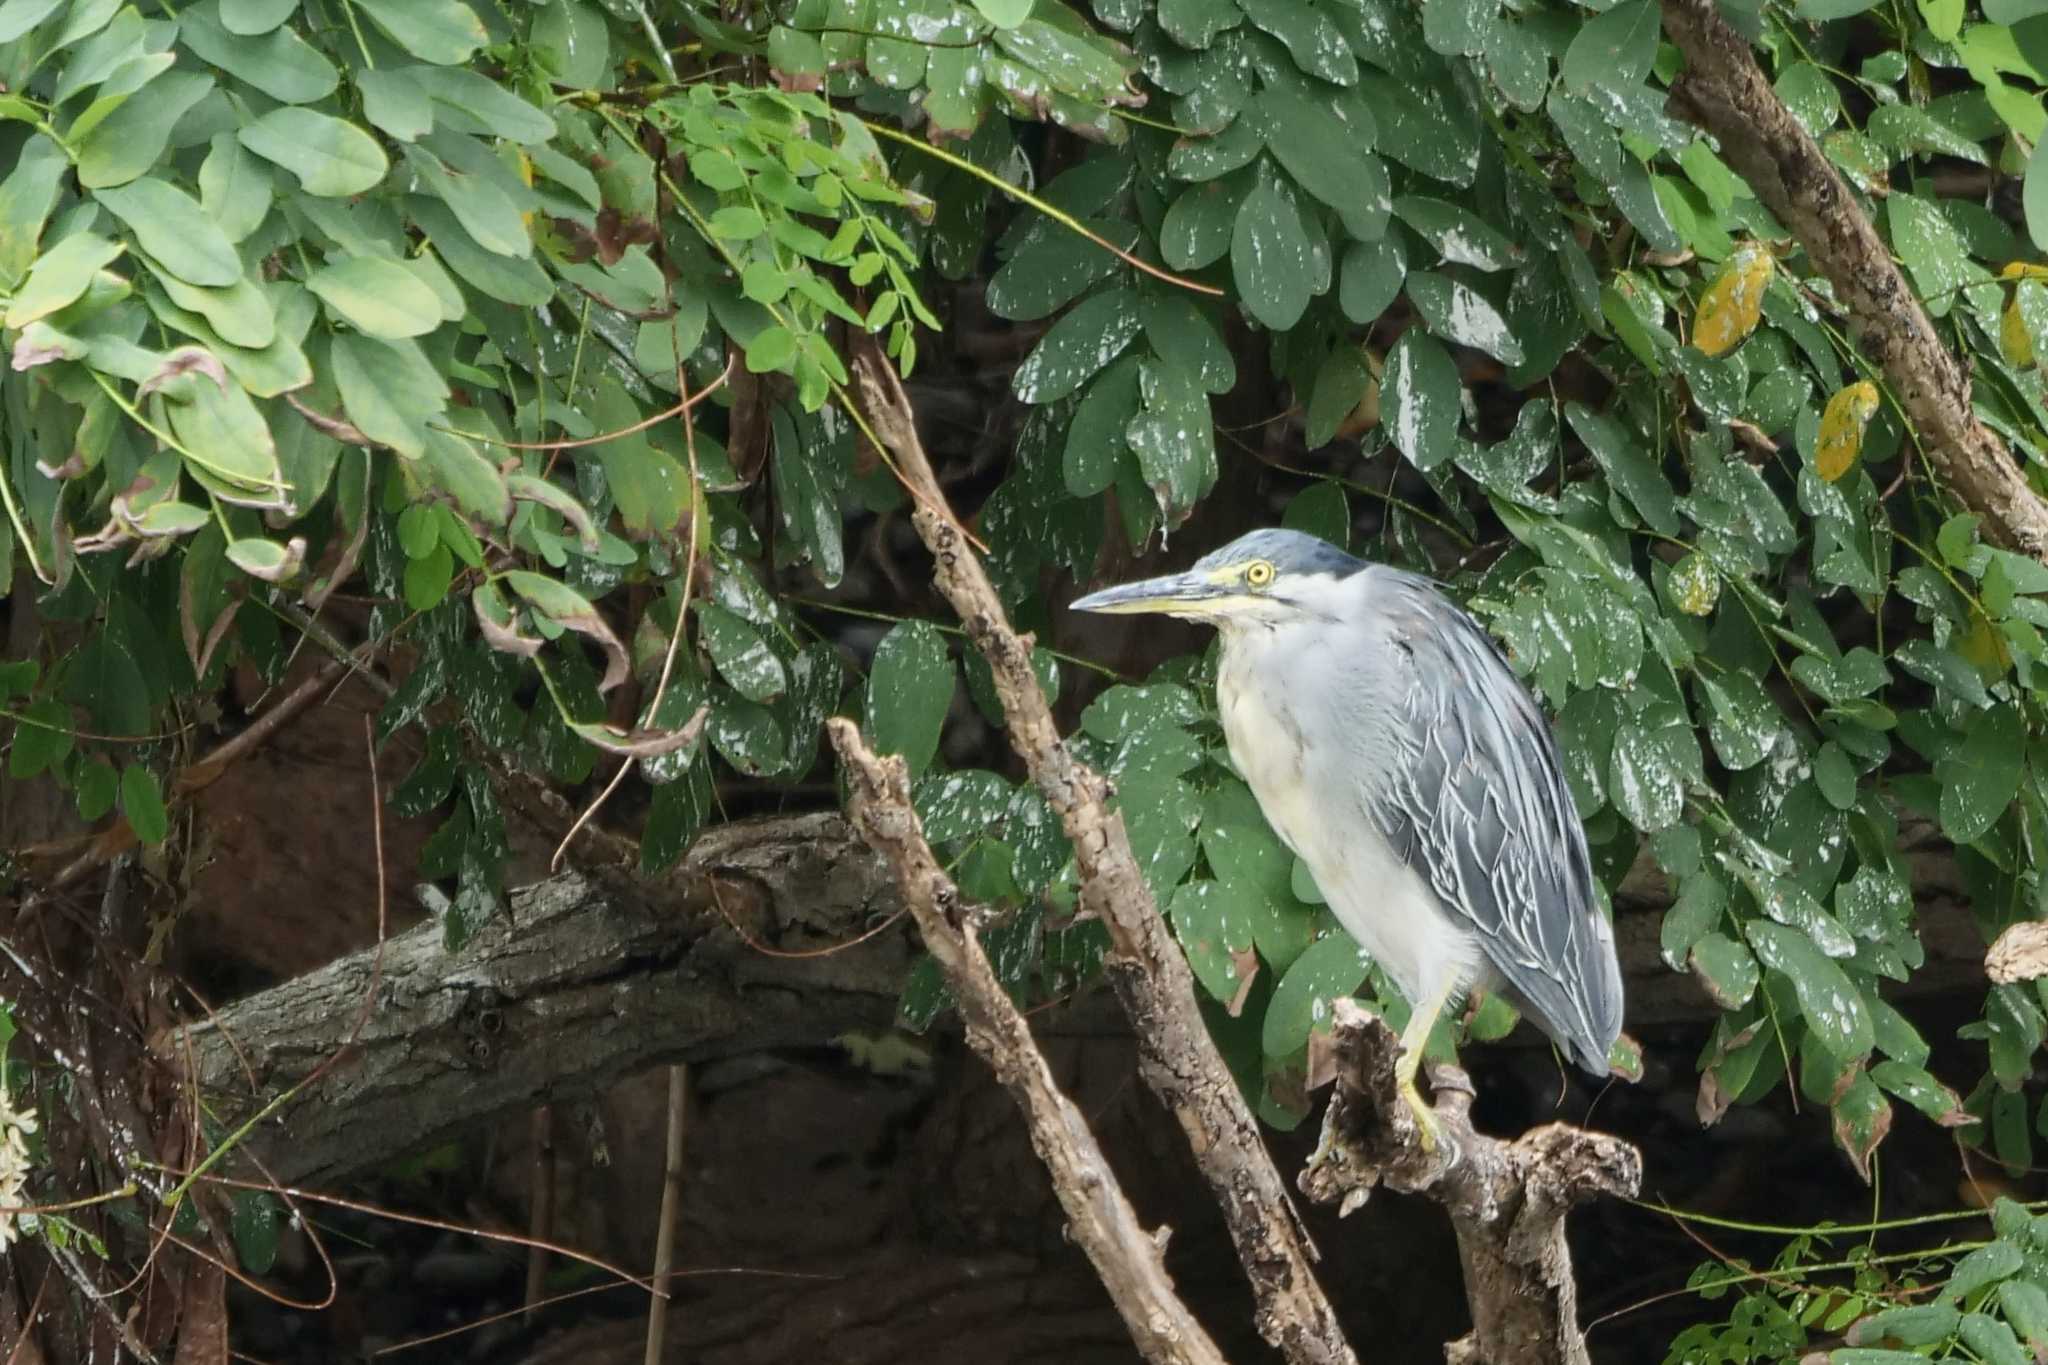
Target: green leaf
point(1613, 50)
point(1050, 272)
point(26, 197)
point(1081, 344)
point(470, 102)
point(1460, 236)
point(1173, 438)
point(280, 63)
point(573, 44)
point(1629, 468)
point(60, 277)
point(1326, 146)
point(97, 787)
point(740, 654)
point(1743, 722)
point(1198, 227)
point(330, 157)
point(1420, 399)
point(1644, 778)
point(910, 690)
point(171, 226)
point(378, 297)
point(234, 188)
point(255, 1222)
point(132, 138)
point(443, 32)
point(1332, 967)
point(396, 103)
point(1934, 253)
point(1215, 931)
point(1315, 43)
point(1370, 278)
point(1004, 13)
point(1195, 23)
point(19, 16)
point(251, 17)
point(228, 445)
point(1830, 1004)
point(1271, 258)
point(389, 390)
point(1095, 438)
point(143, 803)
point(1982, 779)
point(1725, 968)
point(1340, 385)
point(1458, 313)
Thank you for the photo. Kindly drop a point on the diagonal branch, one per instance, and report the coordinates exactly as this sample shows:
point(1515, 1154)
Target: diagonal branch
point(1724, 91)
point(1507, 1200)
point(1152, 980)
point(1129, 1260)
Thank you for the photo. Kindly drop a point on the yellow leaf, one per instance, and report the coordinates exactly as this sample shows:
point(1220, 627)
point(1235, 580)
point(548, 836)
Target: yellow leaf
point(1841, 429)
point(2013, 337)
point(2024, 270)
point(1695, 587)
point(1985, 648)
point(1729, 309)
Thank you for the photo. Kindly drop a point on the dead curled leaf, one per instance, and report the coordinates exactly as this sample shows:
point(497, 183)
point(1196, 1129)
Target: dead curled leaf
point(2019, 954)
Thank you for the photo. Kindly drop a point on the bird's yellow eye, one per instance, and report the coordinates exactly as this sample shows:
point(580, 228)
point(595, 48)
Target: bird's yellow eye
point(1258, 573)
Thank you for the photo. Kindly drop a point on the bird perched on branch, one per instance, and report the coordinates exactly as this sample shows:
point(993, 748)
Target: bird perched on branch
point(1393, 750)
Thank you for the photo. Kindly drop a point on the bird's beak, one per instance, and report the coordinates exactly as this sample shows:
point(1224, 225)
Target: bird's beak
point(1175, 593)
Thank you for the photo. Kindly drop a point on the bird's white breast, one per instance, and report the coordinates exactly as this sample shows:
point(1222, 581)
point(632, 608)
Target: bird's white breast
point(1314, 802)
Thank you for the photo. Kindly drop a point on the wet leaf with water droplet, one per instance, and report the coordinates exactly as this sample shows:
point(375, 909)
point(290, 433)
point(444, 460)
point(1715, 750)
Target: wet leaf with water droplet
point(1829, 1003)
point(1420, 399)
point(1078, 346)
point(1329, 969)
point(1271, 258)
point(910, 690)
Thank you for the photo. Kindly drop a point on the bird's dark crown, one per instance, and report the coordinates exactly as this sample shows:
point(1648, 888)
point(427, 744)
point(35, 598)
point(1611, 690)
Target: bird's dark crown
point(1289, 552)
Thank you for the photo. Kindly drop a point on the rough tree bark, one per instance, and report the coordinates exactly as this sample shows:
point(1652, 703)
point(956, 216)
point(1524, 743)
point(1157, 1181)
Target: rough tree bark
point(1145, 967)
point(1130, 1261)
point(1724, 91)
point(1507, 1200)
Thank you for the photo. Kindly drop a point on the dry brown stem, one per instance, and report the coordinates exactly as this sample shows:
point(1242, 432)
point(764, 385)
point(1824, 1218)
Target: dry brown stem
point(1151, 977)
point(1129, 1259)
point(1724, 91)
point(1507, 1200)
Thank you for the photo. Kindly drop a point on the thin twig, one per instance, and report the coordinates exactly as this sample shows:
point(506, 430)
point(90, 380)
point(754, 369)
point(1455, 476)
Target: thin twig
point(540, 1224)
point(671, 1211)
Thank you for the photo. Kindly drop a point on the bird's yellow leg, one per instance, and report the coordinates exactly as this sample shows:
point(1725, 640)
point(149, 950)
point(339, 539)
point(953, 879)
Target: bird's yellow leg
point(1414, 1039)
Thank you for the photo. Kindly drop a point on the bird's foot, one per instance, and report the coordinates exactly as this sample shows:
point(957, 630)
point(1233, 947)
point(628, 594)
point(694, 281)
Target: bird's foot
point(1427, 1130)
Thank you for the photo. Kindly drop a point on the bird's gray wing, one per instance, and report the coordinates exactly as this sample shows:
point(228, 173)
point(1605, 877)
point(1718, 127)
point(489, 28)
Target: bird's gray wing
point(1477, 805)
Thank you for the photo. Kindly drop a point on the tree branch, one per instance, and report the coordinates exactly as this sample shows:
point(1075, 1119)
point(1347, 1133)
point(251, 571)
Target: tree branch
point(1130, 1260)
point(1152, 980)
point(1723, 90)
point(589, 980)
point(1507, 1200)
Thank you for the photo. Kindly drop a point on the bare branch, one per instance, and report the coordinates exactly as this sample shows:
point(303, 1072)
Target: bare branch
point(1724, 91)
point(1152, 980)
point(1130, 1260)
point(1507, 1200)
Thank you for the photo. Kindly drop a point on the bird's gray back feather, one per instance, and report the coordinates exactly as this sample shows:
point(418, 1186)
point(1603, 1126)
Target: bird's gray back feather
point(1476, 803)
